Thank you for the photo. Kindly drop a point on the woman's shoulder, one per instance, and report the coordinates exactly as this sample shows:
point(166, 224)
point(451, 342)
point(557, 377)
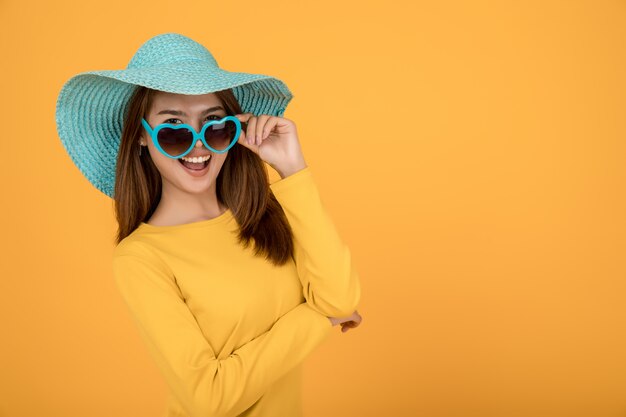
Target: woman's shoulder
point(133, 245)
point(134, 261)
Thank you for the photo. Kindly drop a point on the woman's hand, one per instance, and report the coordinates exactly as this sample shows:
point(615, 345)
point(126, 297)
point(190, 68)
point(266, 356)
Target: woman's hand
point(347, 323)
point(274, 139)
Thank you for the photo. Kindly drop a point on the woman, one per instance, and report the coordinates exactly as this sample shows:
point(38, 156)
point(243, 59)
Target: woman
point(232, 281)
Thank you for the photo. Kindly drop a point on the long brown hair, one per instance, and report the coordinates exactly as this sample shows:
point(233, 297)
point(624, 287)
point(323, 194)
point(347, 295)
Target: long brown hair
point(242, 185)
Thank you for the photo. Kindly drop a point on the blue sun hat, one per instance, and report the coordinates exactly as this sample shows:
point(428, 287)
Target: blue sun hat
point(91, 105)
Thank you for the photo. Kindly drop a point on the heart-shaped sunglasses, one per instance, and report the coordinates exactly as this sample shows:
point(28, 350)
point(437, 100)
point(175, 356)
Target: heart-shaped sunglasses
point(177, 140)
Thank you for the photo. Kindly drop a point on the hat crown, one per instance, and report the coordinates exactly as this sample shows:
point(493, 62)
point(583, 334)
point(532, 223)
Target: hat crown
point(170, 48)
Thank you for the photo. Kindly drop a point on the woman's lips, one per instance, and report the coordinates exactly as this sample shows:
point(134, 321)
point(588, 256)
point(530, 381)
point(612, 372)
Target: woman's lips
point(196, 172)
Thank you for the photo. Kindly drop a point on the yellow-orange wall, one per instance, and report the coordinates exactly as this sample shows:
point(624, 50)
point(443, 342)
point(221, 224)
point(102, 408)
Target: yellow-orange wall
point(471, 153)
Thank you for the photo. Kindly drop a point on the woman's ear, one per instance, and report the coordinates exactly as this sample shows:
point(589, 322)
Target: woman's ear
point(143, 138)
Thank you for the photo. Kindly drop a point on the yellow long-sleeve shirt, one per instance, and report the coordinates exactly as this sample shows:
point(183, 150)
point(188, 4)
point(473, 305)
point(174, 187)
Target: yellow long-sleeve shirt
point(229, 330)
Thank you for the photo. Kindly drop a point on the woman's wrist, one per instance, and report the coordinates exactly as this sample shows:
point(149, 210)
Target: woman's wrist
point(291, 168)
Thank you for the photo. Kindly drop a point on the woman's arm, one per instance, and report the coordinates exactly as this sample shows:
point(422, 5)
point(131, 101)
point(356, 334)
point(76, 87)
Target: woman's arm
point(328, 275)
point(204, 385)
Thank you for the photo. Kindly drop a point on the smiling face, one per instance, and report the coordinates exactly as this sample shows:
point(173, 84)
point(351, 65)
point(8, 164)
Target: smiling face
point(194, 110)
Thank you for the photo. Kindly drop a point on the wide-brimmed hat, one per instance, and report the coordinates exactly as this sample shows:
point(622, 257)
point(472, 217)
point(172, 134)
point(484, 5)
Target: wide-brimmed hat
point(91, 105)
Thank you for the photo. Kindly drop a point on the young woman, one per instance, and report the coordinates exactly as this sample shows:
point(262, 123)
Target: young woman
point(232, 281)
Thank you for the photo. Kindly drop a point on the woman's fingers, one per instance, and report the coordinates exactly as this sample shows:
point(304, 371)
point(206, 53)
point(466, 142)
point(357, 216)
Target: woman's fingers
point(248, 127)
point(255, 129)
point(345, 326)
point(251, 131)
point(259, 128)
point(244, 119)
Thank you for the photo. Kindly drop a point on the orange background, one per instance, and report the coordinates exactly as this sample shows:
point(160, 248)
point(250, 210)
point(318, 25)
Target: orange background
point(472, 156)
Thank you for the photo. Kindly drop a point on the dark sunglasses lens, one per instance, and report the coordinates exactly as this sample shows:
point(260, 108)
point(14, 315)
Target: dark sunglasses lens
point(175, 141)
point(220, 135)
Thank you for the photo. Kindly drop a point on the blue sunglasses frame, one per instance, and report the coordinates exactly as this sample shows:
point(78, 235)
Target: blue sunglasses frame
point(196, 136)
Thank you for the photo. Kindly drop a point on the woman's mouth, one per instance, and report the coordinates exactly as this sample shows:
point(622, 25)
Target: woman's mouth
point(195, 166)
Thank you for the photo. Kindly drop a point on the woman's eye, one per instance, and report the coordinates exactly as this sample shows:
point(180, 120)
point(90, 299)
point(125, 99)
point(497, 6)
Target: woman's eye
point(174, 120)
point(171, 121)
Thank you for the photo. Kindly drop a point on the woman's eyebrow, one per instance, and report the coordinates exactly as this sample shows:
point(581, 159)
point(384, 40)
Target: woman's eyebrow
point(182, 113)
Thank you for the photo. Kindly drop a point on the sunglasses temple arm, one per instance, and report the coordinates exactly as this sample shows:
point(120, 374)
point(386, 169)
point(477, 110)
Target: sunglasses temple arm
point(146, 126)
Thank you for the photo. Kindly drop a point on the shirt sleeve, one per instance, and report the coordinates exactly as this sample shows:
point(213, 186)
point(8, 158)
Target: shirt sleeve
point(330, 281)
point(204, 385)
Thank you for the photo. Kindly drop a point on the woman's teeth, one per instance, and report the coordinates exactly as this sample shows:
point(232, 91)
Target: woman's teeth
point(197, 159)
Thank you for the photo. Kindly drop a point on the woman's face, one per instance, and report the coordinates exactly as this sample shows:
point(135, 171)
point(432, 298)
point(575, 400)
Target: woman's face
point(194, 110)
